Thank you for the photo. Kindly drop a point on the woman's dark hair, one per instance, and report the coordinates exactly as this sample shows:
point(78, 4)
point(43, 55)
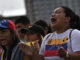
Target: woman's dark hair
point(15, 41)
point(22, 19)
point(49, 29)
point(44, 24)
point(41, 23)
point(74, 19)
point(40, 39)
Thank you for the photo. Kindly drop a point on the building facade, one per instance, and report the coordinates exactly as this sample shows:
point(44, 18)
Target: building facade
point(42, 9)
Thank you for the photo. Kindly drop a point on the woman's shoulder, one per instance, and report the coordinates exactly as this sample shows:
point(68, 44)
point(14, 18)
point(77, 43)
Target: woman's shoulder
point(76, 32)
point(17, 53)
point(48, 35)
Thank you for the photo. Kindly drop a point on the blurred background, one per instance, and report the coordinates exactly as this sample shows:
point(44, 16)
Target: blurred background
point(34, 9)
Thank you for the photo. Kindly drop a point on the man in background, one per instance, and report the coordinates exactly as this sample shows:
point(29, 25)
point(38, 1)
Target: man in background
point(20, 23)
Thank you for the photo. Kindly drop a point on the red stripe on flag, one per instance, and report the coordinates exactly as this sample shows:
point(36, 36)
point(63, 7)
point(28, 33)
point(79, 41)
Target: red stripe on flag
point(48, 53)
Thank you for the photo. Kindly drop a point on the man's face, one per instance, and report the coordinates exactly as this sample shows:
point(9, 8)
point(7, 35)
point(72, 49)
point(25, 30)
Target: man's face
point(19, 26)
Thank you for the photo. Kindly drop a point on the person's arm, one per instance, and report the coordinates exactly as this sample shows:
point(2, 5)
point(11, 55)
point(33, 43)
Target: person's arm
point(30, 52)
point(70, 56)
point(33, 53)
point(37, 57)
point(75, 45)
point(73, 56)
point(33, 57)
point(26, 57)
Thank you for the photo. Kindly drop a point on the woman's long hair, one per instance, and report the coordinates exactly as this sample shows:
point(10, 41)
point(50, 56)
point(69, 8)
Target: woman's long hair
point(14, 41)
point(74, 18)
point(40, 39)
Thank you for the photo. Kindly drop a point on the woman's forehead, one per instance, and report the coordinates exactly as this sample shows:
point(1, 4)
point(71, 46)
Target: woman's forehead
point(59, 9)
point(29, 33)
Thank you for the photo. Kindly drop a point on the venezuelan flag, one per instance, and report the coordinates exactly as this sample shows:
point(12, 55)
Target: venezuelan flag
point(52, 46)
point(2, 53)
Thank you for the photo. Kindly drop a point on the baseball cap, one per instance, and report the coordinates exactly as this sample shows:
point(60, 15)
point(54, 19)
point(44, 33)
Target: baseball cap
point(5, 23)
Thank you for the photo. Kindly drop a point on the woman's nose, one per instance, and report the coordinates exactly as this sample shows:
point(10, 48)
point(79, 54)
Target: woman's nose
point(53, 15)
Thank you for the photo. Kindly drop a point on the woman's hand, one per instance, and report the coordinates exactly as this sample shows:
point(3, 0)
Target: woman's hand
point(28, 50)
point(62, 53)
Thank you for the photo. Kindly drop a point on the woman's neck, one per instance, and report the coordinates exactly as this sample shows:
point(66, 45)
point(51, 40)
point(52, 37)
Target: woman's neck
point(61, 30)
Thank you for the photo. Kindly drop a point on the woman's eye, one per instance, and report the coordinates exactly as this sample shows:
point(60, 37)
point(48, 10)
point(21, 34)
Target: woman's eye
point(58, 12)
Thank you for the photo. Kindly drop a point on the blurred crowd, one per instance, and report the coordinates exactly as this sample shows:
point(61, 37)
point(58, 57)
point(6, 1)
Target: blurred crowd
point(59, 40)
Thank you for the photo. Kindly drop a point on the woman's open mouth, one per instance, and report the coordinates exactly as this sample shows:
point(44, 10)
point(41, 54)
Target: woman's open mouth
point(53, 20)
point(2, 41)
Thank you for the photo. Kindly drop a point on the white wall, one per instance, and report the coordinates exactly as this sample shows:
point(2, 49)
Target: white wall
point(12, 7)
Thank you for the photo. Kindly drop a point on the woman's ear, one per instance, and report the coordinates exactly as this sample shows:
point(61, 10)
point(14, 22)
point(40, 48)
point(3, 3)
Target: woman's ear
point(67, 20)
